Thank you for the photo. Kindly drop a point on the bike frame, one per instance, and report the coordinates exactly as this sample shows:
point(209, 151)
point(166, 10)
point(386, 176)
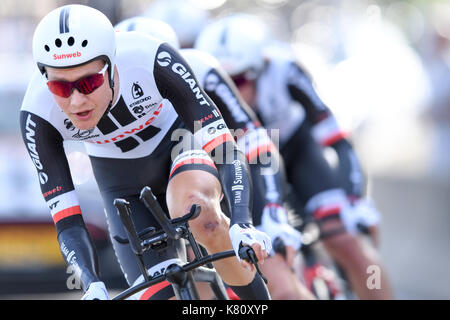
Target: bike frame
point(181, 277)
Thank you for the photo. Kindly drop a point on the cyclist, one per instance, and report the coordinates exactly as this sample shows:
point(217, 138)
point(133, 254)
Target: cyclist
point(266, 169)
point(284, 98)
point(125, 95)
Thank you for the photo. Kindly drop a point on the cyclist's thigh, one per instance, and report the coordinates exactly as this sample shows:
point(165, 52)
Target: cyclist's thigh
point(307, 169)
point(125, 178)
point(283, 283)
point(193, 175)
point(310, 175)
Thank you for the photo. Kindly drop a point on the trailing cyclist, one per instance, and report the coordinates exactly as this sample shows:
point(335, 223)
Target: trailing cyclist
point(266, 165)
point(283, 97)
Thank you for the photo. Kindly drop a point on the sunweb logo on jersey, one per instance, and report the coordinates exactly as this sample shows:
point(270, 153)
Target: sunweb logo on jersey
point(136, 91)
point(164, 59)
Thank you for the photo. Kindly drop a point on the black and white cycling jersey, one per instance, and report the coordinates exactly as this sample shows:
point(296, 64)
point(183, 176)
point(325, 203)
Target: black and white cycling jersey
point(286, 98)
point(156, 87)
point(131, 145)
point(266, 166)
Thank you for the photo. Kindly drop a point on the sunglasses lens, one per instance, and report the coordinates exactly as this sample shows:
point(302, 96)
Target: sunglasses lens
point(85, 85)
point(239, 80)
point(60, 88)
point(90, 83)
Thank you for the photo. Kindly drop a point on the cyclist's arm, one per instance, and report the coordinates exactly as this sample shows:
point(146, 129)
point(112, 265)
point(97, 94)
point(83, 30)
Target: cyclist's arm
point(349, 170)
point(264, 160)
point(326, 131)
point(177, 82)
point(45, 147)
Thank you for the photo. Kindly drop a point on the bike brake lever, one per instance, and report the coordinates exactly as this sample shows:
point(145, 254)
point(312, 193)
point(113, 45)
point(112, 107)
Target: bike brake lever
point(193, 213)
point(248, 254)
point(121, 240)
point(150, 201)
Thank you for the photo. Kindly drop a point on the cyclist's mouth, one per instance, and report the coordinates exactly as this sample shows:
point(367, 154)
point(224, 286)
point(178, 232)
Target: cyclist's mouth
point(84, 115)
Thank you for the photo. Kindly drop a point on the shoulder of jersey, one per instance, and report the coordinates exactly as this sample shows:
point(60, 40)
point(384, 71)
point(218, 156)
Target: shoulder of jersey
point(135, 48)
point(200, 62)
point(38, 99)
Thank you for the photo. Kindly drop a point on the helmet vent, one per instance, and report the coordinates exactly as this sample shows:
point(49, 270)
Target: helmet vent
point(84, 43)
point(58, 43)
point(70, 41)
point(47, 48)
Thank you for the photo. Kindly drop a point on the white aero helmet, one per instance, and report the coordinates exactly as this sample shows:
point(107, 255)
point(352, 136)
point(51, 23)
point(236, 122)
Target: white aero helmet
point(73, 35)
point(185, 17)
point(155, 28)
point(237, 41)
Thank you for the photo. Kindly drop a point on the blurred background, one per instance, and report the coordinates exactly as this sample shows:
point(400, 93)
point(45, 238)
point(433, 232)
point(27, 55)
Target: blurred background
point(383, 67)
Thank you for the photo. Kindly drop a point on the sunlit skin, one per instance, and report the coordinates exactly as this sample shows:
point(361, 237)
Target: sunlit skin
point(248, 92)
point(84, 110)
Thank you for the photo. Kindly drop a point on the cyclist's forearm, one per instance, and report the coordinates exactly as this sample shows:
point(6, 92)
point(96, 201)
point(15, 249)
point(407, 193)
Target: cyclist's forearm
point(78, 250)
point(236, 184)
point(269, 173)
point(268, 181)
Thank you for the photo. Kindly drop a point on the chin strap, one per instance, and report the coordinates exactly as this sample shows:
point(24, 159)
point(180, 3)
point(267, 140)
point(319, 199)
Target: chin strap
point(110, 102)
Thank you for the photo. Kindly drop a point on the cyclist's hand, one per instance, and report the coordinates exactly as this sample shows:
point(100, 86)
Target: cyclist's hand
point(287, 252)
point(274, 223)
point(246, 234)
point(96, 291)
point(362, 213)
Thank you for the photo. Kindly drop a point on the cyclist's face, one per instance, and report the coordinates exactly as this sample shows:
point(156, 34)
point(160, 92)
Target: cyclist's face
point(247, 90)
point(83, 110)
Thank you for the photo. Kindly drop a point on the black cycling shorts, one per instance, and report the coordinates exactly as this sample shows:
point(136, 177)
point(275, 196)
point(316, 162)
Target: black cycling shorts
point(125, 178)
point(311, 178)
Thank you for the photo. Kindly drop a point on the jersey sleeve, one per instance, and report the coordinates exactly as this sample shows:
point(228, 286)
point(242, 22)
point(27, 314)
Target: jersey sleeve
point(176, 82)
point(45, 146)
point(326, 131)
point(265, 163)
point(325, 128)
point(236, 113)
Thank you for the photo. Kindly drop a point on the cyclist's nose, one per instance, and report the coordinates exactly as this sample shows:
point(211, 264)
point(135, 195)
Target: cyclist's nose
point(77, 98)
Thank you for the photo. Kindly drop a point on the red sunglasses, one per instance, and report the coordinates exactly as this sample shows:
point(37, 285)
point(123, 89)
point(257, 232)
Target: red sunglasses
point(85, 85)
point(240, 79)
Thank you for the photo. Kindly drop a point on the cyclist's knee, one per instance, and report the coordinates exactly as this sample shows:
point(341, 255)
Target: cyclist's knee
point(346, 248)
point(192, 187)
point(211, 222)
point(283, 283)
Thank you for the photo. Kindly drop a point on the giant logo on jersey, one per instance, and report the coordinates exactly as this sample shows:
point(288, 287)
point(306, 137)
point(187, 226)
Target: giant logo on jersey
point(164, 59)
point(31, 146)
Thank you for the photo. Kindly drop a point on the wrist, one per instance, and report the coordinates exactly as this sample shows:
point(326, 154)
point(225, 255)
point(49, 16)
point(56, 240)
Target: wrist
point(241, 215)
point(87, 278)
